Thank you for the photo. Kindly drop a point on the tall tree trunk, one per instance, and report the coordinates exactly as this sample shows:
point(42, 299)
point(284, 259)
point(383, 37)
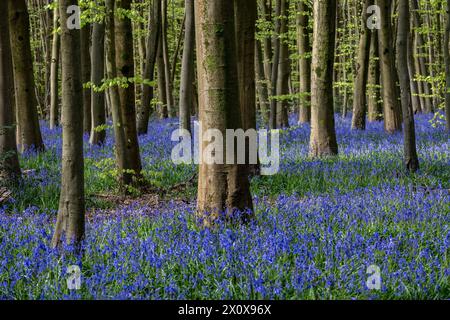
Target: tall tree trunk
point(412, 71)
point(275, 62)
point(221, 188)
point(261, 84)
point(266, 15)
point(187, 67)
point(410, 152)
point(114, 97)
point(54, 107)
point(162, 89)
point(304, 50)
point(323, 135)
point(447, 66)
point(26, 104)
point(165, 51)
point(284, 67)
point(362, 69)
point(86, 76)
point(70, 220)
point(375, 109)
point(392, 120)
point(98, 135)
point(154, 29)
point(9, 161)
point(125, 68)
point(425, 86)
point(245, 19)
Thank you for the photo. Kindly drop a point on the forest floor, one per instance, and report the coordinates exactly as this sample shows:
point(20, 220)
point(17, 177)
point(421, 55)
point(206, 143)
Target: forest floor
point(319, 225)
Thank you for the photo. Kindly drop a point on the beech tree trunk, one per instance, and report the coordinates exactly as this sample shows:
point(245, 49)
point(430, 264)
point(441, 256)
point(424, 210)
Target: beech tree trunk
point(392, 120)
point(9, 161)
point(122, 160)
point(261, 84)
point(125, 68)
point(222, 188)
point(323, 135)
point(304, 51)
point(275, 62)
point(97, 73)
point(54, 70)
point(86, 76)
point(187, 67)
point(410, 152)
point(26, 103)
point(71, 214)
point(362, 69)
point(154, 29)
point(447, 67)
point(284, 67)
point(375, 109)
point(165, 51)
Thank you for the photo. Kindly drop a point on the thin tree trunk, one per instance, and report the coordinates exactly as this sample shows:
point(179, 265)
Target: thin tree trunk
point(162, 89)
point(410, 152)
point(165, 51)
point(26, 104)
point(98, 134)
point(304, 50)
point(187, 67)
point(275, 62)
point(323, 135)
point(154, 26)
point(261, 84)
point(54, 107)
point(9, 161)
point(86, 76)
point(375, 109)
point(221, 188)
point(362, 69)
point(284, 67)
point(447, 66)
point(71, 219)
point(412, 71)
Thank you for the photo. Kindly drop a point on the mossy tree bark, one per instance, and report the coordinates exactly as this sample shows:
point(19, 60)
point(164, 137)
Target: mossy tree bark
point(25, 98)
point(9, 161)
point(222, 188)
point(71, 214)
point(323, 135)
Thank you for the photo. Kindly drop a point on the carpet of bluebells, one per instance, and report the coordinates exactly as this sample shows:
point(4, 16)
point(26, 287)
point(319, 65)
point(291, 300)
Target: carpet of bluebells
point(319, 225)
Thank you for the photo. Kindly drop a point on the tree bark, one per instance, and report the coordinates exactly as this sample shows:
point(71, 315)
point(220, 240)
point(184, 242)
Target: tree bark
point(323, 135)
point(125, 69)
point(26, 103)
point(375, 109)
point(9, 161)
point(447, 66)
point(284, 67)
point(97, 73)
point(187, 67)
point(362, 69)
point(154, 29)
point(392, 120)
point(261, 84)
point(71, 218)
point(165, 51)
point(275, 62)
point(222, 188)
point(304, 51)
point(54, 106)
point(410, 152)
point(86, 76)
